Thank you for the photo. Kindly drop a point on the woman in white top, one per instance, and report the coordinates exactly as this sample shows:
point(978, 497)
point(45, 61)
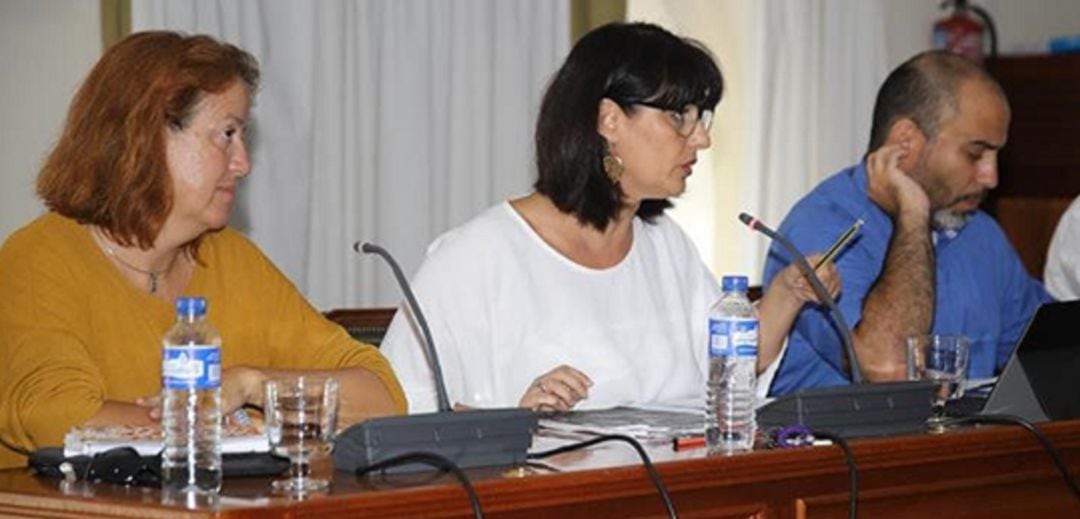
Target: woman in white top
point(584, 294)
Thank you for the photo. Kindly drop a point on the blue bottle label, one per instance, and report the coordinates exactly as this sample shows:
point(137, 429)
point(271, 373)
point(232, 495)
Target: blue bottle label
point(191, 367)
point(734, 336)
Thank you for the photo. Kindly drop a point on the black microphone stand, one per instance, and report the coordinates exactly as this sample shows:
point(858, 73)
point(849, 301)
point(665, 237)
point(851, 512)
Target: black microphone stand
point(819, 289)
point(410, 300)
point(474, 438)
point(847, 411)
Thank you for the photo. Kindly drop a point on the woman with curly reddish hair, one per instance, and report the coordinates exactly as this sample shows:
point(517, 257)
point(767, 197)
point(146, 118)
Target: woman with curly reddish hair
point(139, 190)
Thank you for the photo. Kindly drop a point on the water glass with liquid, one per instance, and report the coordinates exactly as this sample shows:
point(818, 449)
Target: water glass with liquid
point(301, 418)
point(943, 359)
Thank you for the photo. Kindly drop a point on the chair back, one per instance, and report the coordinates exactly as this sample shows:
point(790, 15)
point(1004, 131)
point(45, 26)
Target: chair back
point(366, 325)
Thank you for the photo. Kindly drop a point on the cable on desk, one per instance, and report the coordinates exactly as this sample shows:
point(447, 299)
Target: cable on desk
point(434, 460)
point(536, 465)
point(1006, 419)
point(853, 470)
point(655, 476)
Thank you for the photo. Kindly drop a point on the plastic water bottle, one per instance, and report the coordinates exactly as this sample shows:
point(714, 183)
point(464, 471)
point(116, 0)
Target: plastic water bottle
point(733, 342)
point(191, 401)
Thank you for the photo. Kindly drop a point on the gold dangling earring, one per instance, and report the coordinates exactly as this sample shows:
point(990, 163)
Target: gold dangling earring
point(613, 166)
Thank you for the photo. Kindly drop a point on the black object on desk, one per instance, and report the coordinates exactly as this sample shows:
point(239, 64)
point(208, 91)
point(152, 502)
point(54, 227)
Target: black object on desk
point(125, 466)
point(1040, 382)
point(968, 405)
point(857, 410)
point(468, 438)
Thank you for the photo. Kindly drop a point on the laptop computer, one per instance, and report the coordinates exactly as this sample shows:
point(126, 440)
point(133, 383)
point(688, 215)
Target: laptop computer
point(1041, 380)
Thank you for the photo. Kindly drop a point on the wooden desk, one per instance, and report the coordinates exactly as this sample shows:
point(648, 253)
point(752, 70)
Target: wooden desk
point(997, 472)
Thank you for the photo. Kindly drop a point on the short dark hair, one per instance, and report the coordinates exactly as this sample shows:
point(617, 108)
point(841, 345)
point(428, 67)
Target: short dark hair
point(924, 89)
point(627, 63)
point(109, 166)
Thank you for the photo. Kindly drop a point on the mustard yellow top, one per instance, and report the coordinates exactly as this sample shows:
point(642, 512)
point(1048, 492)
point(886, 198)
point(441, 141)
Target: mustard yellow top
point(75, 333)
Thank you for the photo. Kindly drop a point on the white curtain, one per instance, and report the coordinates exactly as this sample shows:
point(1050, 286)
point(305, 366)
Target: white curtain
point(389, 121)
point(817, 68)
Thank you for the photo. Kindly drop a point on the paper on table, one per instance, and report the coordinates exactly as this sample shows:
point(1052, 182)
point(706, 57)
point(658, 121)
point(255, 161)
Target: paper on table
point(637, 422)
point(979, 385)
point(147, 440)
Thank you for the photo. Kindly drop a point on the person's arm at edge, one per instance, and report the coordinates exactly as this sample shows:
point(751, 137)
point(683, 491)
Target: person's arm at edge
point(1061, 275)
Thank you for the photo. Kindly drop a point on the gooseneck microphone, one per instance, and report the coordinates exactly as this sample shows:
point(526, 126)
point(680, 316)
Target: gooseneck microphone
point(474, 438)
point(819, 289)
point(855, 410)
point(414, 307)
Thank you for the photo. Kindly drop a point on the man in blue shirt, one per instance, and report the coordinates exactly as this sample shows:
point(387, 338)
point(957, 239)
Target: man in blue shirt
point(927, 259)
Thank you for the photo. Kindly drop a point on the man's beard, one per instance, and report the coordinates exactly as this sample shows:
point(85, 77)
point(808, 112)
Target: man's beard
point(949, 220)
point(946, 219)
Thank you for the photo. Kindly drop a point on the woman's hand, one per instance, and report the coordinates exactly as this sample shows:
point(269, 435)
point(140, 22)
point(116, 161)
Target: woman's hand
point(783, 301)
point(557, 390)
point(152, 404)
point(241, 385)
point(792, 280)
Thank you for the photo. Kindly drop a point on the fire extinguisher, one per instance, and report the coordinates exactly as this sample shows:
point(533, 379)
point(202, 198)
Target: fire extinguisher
point(962, 31)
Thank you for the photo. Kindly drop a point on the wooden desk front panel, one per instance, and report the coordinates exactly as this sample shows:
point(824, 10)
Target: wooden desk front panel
point(993, 472)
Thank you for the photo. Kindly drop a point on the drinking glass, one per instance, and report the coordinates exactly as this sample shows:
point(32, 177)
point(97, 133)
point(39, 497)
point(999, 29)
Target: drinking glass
point(942, 359)
point(301, 417)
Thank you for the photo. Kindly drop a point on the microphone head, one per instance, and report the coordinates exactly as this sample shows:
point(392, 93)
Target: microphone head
point(747, 219)
point(370, 248)
point(365, 247)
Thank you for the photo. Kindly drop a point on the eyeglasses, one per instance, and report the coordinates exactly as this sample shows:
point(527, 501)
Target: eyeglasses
point(686, 120)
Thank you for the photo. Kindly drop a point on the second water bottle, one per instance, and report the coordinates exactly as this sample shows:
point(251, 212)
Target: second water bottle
point(733, 343)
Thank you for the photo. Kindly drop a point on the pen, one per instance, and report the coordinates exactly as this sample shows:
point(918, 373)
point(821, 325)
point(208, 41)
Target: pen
point(840, 243)
point(680, 443)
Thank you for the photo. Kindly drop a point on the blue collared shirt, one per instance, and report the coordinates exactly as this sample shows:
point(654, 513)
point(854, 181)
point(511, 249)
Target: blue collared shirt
point(982, 288)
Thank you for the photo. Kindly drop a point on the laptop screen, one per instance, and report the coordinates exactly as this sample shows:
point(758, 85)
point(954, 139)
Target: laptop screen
point(1041, 380)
